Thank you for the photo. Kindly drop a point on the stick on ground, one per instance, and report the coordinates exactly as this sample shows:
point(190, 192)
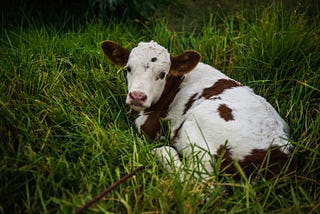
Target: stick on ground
point(104, 192)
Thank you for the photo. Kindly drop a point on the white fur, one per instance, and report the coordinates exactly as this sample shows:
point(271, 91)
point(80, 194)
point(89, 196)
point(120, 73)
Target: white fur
point(140, 121)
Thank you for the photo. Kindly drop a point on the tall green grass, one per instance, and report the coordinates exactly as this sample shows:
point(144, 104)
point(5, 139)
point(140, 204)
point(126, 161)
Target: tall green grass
point(66, 133)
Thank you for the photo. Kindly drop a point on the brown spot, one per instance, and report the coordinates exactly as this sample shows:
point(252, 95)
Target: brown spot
point(224, 160)
point(219, 87)
point(151, 126)
point(190, 102)
point(176, 133)
point(225, 112)
point(266, 162)
point(160, 109)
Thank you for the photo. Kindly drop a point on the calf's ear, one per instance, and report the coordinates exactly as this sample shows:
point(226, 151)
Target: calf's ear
point(184, 63)
point(117, 54)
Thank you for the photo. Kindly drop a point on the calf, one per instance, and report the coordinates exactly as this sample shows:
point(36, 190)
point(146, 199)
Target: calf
point(212, 117)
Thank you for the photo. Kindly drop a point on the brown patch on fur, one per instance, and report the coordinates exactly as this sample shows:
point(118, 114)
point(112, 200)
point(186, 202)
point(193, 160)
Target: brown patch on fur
point(270, 162)
point(225, 112)
point(219, 87)
point(189, 103)
point(225, 159)
point(151, 127)
point(266, 162)
point(160, 109)
point(176, 133)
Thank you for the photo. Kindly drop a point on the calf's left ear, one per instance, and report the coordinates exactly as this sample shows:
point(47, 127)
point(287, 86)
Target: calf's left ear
point(184, 63)
point(117, 54)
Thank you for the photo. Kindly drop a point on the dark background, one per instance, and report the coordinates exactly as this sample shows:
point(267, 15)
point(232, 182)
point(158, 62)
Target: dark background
point(60, 11)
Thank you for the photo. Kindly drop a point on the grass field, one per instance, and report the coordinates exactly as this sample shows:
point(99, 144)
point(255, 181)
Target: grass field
point(66, 133)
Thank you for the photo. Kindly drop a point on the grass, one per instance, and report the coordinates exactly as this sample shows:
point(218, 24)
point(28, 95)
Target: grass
point(66, 133)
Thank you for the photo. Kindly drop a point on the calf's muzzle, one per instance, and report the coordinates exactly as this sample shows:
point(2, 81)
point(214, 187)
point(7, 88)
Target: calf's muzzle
point(137, 98)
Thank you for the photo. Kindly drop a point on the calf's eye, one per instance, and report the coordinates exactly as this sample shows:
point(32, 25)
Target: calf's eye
point(128, 69)
point(162, 75)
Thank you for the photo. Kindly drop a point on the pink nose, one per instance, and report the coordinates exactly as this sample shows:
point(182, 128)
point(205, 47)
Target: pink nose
point(137, 98)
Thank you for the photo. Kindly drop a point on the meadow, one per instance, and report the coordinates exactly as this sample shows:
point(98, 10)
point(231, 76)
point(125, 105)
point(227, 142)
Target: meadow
point(66, 133)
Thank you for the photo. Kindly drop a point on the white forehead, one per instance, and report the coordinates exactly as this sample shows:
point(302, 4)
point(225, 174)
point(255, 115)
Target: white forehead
point(145, 51)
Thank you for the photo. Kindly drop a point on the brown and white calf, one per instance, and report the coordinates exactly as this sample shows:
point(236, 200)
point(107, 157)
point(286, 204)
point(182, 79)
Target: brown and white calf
point(212, 117)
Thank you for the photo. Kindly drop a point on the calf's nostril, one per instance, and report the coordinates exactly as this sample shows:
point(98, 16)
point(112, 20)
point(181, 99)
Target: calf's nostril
point(138, 96)
point(143, 98)
point(131, 96)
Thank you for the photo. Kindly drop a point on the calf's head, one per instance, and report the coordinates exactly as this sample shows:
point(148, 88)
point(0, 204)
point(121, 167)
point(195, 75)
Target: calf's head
point(148, 66)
